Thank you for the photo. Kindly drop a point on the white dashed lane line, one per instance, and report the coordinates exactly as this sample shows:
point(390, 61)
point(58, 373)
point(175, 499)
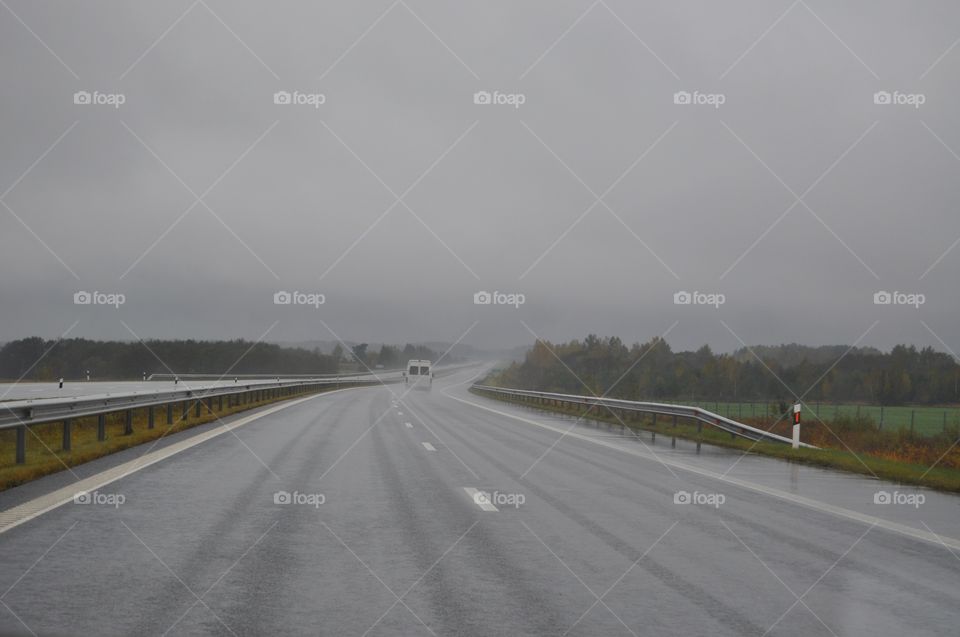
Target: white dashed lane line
point(428, 446)
point(480, 498)
point(408, 425)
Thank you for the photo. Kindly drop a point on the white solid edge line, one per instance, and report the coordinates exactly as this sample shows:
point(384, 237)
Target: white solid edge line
point(481, 502)
point(428, 446)
point(137, 464)
point(895, 527)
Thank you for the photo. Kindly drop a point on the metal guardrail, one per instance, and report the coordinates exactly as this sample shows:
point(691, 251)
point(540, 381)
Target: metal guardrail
point(36, 411)
point(168, 376)
point(702, 416)
point(20, 414)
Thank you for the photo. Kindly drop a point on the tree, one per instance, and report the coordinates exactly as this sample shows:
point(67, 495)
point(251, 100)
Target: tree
point(389, 356)
point(360, 352)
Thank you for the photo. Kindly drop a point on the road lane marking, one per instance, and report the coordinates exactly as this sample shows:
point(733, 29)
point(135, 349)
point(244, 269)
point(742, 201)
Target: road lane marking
point(428, 446)
point(480, 498)
point(816, 505)
point(17, 515)
point(408, 425)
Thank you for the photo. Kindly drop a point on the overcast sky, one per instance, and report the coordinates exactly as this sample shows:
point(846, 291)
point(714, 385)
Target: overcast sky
point(788, 190)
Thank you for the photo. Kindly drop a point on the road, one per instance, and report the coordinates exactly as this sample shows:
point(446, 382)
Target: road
point(383, 534)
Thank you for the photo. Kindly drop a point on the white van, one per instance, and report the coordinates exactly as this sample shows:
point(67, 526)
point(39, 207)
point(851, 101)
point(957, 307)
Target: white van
point(419, 374)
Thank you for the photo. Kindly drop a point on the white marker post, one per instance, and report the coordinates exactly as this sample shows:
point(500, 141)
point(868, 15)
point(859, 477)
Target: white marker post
point(796, 425)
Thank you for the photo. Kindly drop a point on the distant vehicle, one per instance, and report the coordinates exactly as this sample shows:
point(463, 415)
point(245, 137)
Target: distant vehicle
point(419, 374)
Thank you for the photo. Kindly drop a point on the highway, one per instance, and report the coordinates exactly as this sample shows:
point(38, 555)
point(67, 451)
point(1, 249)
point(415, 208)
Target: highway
point(357, 513)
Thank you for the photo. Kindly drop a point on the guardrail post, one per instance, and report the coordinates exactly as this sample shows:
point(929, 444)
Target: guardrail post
point(654, 419)
point(151, 417)
point(21, 444)
point(102, 427)
point(674, 420)
point(186, 411)
point(65, 445)
point(169, 413)
point(128, 424)
point(220, 403)
point(699, 426)
point(198, 407)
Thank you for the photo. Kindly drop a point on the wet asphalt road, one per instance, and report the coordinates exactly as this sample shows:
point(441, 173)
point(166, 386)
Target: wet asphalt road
point(333, 517)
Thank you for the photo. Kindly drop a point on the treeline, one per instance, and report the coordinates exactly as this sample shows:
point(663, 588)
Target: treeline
point(388, 356)
point(653, 371)
point(71, 358)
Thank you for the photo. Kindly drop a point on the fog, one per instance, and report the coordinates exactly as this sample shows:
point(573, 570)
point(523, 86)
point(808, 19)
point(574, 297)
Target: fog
point(787, 193)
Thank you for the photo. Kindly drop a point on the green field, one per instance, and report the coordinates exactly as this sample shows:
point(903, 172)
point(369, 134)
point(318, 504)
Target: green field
point(925, 420)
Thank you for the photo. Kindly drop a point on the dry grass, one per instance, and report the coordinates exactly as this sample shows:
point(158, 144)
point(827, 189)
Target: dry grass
point(898, 456)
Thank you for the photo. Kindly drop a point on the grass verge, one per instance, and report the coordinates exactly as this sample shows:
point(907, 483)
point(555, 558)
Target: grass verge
point(941, 478)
